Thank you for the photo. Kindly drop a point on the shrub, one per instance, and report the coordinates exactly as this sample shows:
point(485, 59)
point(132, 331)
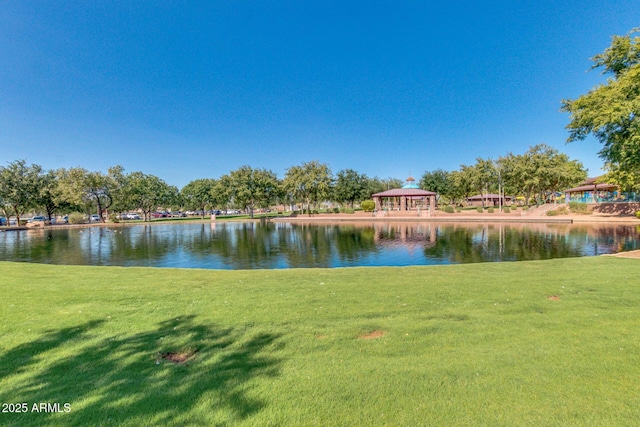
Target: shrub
point(76, 218)
point(579, 208)
point(490, 210)
point(458, 209)
point(114, 218)
point(479, 209)
point(562, 210)
point(347, 210)
point(506, 209)
point(336, 210)
point(368, 205)
point(448, 209)
point(638, 214)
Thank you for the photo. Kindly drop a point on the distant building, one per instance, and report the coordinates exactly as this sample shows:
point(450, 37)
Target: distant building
point(489, 200)
point(591, 192)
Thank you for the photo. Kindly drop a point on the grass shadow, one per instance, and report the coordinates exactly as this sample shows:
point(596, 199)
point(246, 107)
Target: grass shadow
point(123, 379)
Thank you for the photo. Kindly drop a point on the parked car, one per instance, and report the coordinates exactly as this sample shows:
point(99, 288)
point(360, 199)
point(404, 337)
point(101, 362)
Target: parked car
point(94, 218)
point(38, 219)
point(3, 221)
point(133, 215)
point(65, 219)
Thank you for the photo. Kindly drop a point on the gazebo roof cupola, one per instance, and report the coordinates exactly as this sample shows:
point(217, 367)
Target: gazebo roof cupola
point(411, 183)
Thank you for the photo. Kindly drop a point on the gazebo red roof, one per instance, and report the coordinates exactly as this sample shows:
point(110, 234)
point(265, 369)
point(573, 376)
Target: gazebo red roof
point(598, 187)
point(590, 185)
point(407, 192)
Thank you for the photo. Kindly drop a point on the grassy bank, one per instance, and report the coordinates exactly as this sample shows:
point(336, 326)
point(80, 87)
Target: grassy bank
point(532, 343)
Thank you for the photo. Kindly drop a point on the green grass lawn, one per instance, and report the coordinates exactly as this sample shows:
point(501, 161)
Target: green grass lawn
point(544, 343)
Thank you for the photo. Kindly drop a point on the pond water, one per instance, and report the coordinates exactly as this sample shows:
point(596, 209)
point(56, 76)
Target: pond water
point(249, 245)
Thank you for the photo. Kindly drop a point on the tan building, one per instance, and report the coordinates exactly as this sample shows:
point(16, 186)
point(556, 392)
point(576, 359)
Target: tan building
point(489, 200)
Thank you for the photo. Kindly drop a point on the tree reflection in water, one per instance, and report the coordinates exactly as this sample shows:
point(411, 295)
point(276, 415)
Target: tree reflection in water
point(250, 245)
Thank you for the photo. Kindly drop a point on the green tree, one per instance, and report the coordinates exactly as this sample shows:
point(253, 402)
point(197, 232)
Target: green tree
point(82, 187)
point(461, 184)
point(377, 185)
point(350, 186)
point(249, 188)
point(540, 172)
point(19, 188)
point(611, 111)
point(627, 181)
point(148, 192)
point(121, 199)
point(198, 194)
point(440, 182)
point(513, 172)
point(309, 183)
point(49, 196)
point(482, 176)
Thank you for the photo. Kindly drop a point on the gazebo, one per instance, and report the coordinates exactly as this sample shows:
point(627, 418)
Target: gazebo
point(409, 197)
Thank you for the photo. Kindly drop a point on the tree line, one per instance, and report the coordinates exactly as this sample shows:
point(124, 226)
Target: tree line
point(536, 174)
point(25, 188)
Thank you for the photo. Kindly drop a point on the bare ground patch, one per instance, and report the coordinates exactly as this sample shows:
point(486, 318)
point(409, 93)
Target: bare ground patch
point(373, 335)
point(629, 254)
point(179, 357)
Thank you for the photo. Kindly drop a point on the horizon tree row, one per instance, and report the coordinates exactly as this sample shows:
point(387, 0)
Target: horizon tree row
point(25, 188)
point(537, 175)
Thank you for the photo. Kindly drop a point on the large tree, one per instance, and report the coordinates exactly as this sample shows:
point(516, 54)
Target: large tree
point(440, 182)
point(19, 187)
point(350, 186)
point(49, 195)
point(378, 185)
point(611, 111)
point(309, 183)
point(461, 184)
point(148, 192)
point(249, 188)
point(482, 176)
point(82, 187)
point(199, 194)
point(540, 172)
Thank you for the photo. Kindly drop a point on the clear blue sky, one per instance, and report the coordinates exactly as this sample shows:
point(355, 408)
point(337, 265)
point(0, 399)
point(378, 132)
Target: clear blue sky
point(187, 89)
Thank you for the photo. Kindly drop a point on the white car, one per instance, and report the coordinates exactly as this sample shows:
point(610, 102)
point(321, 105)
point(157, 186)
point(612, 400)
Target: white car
point(94, 218)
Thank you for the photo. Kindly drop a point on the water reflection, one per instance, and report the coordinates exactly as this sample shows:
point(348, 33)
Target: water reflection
point(251, 245)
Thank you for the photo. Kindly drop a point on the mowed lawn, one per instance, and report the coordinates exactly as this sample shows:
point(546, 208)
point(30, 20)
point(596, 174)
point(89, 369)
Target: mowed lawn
point(543, 343)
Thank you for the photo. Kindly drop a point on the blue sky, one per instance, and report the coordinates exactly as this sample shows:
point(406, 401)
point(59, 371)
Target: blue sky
point(186, 89)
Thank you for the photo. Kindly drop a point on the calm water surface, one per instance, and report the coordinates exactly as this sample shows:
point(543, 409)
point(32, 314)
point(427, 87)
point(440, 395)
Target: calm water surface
point(286, 245)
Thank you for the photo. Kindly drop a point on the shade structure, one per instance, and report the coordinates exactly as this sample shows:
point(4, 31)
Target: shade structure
point(407, 198)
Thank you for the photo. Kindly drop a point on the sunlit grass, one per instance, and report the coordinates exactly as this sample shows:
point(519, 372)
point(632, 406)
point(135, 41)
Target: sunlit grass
point(532, 343)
